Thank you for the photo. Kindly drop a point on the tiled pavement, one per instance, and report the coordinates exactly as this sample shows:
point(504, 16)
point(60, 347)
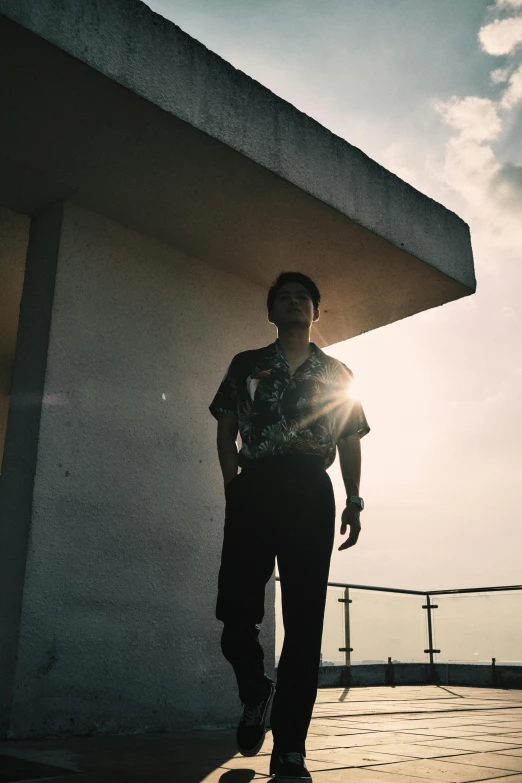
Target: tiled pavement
point(358, 735)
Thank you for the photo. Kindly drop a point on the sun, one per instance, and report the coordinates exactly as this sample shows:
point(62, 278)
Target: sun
point(351, 391)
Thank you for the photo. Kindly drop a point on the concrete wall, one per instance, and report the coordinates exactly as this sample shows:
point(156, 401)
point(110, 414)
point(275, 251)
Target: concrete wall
point(14, 233)
point(117, 629)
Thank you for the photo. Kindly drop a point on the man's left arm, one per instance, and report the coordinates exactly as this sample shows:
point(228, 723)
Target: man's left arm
point(349, 449)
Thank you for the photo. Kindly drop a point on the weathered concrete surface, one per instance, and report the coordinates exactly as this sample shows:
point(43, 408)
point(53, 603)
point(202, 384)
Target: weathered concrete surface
point(147, 126)
point(117, 630)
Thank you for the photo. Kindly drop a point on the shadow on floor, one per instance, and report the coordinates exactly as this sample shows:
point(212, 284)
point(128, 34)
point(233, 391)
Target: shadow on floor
point(365, 734)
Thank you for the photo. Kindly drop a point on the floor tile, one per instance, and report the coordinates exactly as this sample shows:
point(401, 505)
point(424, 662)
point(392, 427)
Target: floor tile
point(499, 738)
point(514, 725)
point(327, 731)
point(337, 741)
point(492, 729)
point(419, 751)
point(359, 775)
point(352, 757)
point(511, 778)
point(472, 745)
point(407, 734)
point(441, 771)
point(444, 732)
point(375, 739)
point(495, 760)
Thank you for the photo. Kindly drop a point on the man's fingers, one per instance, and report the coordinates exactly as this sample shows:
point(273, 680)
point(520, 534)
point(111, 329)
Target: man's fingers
point(351, 540)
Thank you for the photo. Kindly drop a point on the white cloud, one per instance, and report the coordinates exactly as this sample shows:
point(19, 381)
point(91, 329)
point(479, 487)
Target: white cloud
point(468, 168)
point(501, 36)
point(475, 118)
point(499, 75)
point(513, 93)
point(393, 159)
point(492, 191)
point(508, 4)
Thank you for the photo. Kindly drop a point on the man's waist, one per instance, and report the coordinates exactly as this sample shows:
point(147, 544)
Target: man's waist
point(278, 461)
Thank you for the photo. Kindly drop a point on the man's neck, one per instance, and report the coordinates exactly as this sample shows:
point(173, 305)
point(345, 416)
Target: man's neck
point(295, 344)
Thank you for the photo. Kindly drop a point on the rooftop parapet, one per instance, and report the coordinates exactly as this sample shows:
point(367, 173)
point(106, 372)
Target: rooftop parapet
point(126, 114)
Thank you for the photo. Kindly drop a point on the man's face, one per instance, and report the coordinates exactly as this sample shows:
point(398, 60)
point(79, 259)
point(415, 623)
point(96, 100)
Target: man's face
point(293, 306)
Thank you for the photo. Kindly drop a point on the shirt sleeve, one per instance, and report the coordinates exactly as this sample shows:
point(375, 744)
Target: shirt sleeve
point(225, 400)
point(352, 418)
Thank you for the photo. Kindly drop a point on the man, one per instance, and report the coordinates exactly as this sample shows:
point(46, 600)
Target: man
point(292, 406)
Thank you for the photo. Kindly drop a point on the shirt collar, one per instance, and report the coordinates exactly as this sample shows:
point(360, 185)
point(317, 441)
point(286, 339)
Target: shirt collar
point(276, 349)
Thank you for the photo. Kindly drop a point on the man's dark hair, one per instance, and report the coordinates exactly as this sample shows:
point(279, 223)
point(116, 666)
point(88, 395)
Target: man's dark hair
point(293, 277)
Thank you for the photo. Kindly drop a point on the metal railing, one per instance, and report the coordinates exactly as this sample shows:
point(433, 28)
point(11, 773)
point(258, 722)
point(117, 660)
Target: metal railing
point(515, 643)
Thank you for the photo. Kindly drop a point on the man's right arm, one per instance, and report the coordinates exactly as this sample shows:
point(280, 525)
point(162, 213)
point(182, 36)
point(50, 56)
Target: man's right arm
point(227, 430)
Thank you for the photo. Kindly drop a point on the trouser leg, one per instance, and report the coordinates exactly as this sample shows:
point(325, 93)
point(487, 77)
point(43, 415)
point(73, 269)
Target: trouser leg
point(304, 549)
point(242, 649)
point(247, 563)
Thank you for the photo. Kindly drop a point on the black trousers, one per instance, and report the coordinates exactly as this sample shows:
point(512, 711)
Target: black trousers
point(278, 507)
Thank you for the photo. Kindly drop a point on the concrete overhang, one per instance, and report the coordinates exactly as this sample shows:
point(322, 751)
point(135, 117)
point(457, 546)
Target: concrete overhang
point(113, 107)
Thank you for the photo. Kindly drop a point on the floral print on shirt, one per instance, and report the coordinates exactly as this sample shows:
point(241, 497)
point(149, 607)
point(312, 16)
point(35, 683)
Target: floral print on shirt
point(279, 413)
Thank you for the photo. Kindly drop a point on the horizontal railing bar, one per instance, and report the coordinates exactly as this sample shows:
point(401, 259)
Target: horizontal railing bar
point(371, 587)
point(474, 590)
point(379, 589)
point(424, 592)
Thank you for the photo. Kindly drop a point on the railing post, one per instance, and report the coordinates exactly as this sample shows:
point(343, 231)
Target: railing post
point(389, 676)
point(494, 673)
point(429, 606)
point(346, 649)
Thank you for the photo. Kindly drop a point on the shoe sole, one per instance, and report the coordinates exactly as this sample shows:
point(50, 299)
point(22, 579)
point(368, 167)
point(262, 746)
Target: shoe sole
point(254, 751)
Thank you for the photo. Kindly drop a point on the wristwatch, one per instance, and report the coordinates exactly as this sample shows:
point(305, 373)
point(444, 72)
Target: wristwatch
point(357, 500)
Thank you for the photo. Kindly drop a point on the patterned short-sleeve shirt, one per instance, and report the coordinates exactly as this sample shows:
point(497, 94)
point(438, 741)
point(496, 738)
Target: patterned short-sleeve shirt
point(280, 413)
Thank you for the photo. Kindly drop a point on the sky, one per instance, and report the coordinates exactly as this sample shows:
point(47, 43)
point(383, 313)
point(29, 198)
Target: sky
point(433, 92)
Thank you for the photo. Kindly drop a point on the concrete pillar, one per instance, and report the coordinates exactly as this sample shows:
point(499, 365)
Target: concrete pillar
point(21, 441)
point(121, 544)
point(14, 235)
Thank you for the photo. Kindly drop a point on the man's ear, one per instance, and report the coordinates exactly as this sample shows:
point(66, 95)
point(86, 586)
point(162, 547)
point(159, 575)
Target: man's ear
point(317, 313)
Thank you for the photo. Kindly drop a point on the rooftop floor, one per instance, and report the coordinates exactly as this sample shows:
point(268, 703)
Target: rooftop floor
point(358, 735)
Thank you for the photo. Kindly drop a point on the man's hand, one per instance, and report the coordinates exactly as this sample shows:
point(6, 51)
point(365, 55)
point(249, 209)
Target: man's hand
point(350, 516)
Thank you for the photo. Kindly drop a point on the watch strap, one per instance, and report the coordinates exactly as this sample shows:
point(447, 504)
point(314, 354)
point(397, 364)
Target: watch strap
point(357, 500)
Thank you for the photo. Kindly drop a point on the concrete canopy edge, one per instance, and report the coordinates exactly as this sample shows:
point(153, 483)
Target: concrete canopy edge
point(154, 58)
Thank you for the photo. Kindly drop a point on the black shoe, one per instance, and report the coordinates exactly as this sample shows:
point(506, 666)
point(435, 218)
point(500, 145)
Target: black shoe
point(289, 767)
point(251, 730)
